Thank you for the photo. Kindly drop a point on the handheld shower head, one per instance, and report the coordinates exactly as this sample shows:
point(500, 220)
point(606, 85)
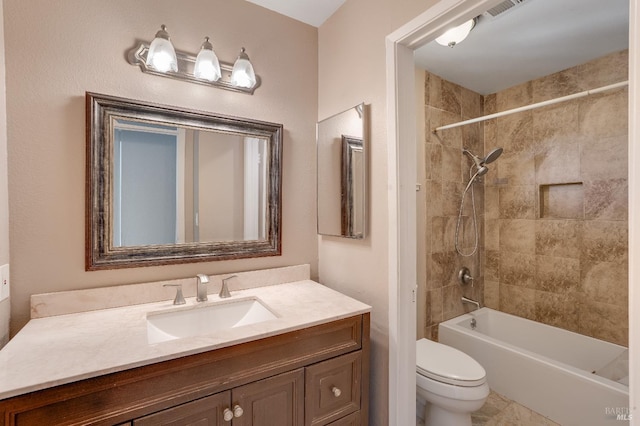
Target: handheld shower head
point(482, 171)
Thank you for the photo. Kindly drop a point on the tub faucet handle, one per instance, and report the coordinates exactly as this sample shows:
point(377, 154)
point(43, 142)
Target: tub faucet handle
point(464, 276)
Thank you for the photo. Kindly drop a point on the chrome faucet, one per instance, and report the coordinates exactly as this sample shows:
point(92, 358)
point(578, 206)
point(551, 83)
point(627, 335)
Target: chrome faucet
point(201, 283)
point(224, 290)
point(473, 302)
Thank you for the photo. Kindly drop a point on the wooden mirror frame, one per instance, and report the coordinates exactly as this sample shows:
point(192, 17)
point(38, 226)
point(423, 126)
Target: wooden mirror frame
point(101, 111)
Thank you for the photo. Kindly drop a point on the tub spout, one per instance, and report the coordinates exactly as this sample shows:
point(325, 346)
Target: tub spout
point(473, 302)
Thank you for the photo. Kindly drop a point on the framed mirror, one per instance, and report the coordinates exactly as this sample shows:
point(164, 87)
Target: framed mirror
point(167, 185)
point(342, 153)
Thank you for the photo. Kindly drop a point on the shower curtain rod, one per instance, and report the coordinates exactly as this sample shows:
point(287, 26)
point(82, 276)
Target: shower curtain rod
point(533, 106)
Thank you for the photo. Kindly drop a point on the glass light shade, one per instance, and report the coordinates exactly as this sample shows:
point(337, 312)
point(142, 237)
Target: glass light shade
point(162, 56)
point(457, 34)
point(243, 74)
point(207, 65)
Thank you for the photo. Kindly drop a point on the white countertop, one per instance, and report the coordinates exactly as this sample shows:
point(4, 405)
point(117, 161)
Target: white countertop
point(61, 349)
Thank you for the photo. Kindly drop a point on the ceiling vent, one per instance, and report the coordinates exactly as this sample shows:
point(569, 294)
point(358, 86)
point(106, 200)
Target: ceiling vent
point(501, 8)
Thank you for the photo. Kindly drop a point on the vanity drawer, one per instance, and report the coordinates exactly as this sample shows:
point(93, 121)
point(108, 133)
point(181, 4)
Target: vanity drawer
point(333, 389)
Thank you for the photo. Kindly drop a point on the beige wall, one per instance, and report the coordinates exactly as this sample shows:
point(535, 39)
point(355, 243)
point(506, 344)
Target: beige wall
point(5, 305)
point(352, 70)
point(556, 212)
point(446, 173)
point(55, 51)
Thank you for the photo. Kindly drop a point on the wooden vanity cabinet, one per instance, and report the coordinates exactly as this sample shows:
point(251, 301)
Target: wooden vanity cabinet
point(274, 401)
point(313, 377)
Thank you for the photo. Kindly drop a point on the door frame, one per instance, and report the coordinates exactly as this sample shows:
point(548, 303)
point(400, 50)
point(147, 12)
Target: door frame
point(402, 175)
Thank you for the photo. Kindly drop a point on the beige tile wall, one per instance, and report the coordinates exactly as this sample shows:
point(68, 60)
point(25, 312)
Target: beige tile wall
point(447, 172)
point(556, 211)
point(553, 209)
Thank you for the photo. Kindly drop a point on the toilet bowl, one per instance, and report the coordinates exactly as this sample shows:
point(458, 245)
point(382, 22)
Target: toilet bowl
point(449, 383)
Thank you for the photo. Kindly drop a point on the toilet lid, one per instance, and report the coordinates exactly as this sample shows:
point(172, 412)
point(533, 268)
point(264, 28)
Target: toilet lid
point(448, 365)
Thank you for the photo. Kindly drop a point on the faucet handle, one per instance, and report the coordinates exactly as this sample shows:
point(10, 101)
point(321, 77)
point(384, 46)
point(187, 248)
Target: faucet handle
point(224, 290)
point(179, 299)
point(464, 276)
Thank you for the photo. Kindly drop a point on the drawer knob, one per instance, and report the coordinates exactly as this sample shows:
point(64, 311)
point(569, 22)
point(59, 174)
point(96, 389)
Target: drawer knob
point(227, 414)
point(336, 391)
point(237, 411)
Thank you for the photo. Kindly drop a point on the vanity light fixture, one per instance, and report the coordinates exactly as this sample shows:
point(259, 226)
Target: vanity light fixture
point(455, 35)
point(160, 58)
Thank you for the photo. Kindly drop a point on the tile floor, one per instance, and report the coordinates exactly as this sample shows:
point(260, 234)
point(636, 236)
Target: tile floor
point(501, 411)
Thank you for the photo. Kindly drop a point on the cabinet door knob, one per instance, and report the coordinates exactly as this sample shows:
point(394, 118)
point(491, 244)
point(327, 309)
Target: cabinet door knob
point(227, 414)
point(336, 391)
point(238, 411)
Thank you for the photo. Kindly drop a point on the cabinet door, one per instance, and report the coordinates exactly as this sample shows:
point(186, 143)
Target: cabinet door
point(201, 412)
point(350, 420)
point(276, 401)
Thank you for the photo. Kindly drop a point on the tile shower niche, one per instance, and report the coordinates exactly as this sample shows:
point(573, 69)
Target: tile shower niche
point(562, 201)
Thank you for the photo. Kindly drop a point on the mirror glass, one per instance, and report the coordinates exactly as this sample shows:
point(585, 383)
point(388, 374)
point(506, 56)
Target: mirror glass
point(342, 174)
point(172, 186)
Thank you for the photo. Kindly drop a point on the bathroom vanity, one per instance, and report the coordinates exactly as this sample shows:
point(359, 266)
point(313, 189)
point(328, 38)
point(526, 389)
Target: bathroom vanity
point(308, 366)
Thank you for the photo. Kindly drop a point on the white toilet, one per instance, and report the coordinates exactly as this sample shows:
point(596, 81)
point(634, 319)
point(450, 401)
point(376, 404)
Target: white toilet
point(450, 384)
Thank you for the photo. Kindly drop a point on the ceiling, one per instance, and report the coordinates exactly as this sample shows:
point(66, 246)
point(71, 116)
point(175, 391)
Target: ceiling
point(530, 40)
point(312, 12)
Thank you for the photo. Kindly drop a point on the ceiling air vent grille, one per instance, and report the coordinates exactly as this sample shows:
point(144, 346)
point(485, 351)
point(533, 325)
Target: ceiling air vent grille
point(501, 8)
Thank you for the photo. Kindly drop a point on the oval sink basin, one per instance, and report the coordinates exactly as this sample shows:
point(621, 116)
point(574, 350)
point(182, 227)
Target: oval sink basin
point(201, 320)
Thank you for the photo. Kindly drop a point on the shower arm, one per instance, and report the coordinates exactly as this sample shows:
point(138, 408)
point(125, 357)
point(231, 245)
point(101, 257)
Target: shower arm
point(477, 160)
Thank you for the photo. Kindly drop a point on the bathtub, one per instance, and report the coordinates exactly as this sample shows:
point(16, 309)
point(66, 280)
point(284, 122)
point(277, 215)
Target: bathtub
point(570, 378)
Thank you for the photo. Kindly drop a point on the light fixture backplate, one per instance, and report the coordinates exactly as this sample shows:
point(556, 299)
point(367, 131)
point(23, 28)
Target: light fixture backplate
point(186, 63)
